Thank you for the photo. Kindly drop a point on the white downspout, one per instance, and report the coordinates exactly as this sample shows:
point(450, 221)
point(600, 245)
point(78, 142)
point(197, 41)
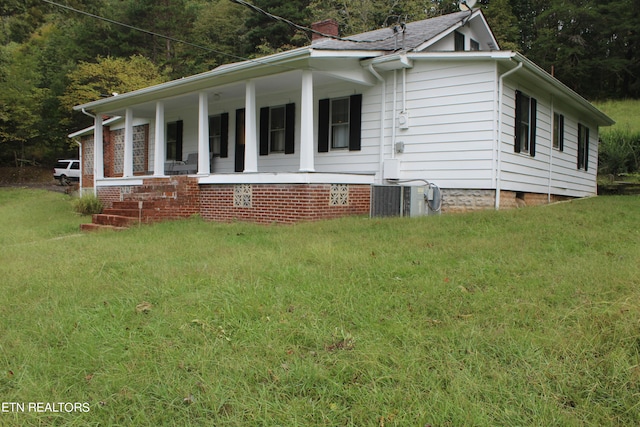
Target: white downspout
point(382, 111)
point(551, 152)
point(404, 90)
point(394, 114)
point(499, 138)
point(95, 190)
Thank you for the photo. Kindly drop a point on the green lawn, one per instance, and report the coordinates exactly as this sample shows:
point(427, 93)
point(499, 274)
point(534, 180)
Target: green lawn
point(527, 317)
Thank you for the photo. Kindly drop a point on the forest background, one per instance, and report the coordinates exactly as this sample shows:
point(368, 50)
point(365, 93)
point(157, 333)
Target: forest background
point(53, 57)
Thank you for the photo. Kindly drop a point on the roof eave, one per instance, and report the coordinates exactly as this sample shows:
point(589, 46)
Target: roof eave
point(601, 118)
point(225, 74)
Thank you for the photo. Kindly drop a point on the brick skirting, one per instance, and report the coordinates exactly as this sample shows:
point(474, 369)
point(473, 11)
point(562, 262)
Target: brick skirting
point(282, 203)
point(182, 197)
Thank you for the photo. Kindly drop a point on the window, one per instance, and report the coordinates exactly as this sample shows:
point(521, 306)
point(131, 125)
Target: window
point(583, 147)
point(525, 126)
point(558, 131)
point(474, 45)
point(219, 135)
point(458, 40)
point(277, 129)
point(339, 123)
point(174, 140)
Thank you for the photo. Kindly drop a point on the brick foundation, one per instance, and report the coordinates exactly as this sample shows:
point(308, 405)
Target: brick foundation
point(108, 195)
point(181, 197)
point(281, 203)
point(515, 199)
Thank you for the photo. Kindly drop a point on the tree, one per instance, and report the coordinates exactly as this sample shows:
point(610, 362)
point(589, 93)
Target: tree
point(219, 26)
point(503, 23)
point(20, 99)
point(108, 75)
point(272, 35)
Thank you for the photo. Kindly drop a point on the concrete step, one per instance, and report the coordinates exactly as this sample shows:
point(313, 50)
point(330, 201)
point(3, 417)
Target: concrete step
point(98, 227)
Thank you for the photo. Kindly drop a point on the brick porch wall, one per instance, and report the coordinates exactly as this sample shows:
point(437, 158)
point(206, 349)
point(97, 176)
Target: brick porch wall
point(282, 203)
point(108, 195)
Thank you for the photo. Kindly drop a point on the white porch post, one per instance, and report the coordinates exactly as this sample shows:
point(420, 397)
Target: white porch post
point(159, 149)
point(128, 144)
point(98, 149)
point(251, 129)
point(203, 134)
point(306, 125)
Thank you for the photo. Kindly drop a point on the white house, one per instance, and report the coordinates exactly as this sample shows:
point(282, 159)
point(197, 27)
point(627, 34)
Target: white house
point(316, 131)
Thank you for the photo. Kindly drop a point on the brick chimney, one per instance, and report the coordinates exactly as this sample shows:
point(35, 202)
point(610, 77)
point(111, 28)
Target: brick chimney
point(328, 26)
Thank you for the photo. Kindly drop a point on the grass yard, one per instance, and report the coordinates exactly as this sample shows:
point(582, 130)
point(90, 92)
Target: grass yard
point(528, 317)
point(625, 112)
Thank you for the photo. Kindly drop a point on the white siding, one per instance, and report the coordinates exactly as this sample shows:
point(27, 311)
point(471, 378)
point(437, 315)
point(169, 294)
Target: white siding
point(367, 159)
point(550, 170)
point(450, 138)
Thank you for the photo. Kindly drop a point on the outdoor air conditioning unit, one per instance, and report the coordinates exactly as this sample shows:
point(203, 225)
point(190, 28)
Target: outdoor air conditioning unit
point(397, 200)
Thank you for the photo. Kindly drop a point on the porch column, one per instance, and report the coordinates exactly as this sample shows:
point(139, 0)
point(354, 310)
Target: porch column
point(251, 129)
point(98, 149)
point(160, 141)
point(306, 123)
point(127, 166)
point(203, 134)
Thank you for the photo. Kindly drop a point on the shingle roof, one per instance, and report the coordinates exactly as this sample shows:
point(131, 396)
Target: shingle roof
point(416, 33)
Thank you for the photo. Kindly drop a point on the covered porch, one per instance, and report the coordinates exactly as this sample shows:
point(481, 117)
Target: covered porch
point(246, 118)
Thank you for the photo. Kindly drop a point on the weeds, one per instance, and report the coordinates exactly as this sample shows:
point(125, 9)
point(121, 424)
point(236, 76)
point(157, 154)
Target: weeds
point(87, 204)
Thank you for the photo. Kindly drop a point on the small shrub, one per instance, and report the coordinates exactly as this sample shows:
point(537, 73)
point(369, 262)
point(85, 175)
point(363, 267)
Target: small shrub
point(87, 205)
point(619, 152)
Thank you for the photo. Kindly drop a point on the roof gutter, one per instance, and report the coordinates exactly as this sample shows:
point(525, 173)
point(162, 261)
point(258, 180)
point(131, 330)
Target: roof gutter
point(563, 90)
point(559, 89)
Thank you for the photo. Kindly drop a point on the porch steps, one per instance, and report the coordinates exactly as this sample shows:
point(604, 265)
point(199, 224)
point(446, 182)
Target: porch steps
point(109, 221)
point(98, 227)
point(145, 204)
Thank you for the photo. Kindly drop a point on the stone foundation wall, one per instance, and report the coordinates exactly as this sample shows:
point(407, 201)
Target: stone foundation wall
point(454, 200)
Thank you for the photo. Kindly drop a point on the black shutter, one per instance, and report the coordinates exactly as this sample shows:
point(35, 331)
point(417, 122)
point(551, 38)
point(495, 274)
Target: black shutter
point(323, 126)
point(179, 127)
point(586, 148)
point(355, 122)
point(533, 122)
point(580, 147)
point(239, 155)
point(224, 135)
point(561, 133)
point(290, 128)
point(264, 131)
point(518, 129)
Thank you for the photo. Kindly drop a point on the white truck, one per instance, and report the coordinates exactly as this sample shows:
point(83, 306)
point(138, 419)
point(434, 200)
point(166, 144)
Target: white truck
point(67, 171)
